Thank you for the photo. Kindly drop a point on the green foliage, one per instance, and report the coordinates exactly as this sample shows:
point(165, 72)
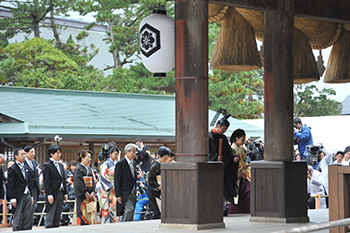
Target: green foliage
point(136, 79)
point(27, 15)
point(310, 101)
point(213, 31)
point(123, 18)
point(237, 92)
point(37, 63)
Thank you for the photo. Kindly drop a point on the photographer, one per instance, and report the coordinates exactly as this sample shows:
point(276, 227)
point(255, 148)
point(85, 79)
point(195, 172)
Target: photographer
point(143, 155)
point(302, 136)
point(324, 159)
point(251, 149)
point(141, 195)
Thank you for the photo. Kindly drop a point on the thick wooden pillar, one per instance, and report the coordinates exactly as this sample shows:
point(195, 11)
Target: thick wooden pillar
point(278, 78)
point(275, 196)
point(192, 143)
point(187, 200)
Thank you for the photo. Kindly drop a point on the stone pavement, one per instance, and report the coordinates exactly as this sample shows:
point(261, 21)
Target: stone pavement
point(233, 223)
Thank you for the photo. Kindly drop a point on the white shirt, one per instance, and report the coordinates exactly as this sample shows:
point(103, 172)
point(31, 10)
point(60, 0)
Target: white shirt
point(315, 185)
point(323, 164)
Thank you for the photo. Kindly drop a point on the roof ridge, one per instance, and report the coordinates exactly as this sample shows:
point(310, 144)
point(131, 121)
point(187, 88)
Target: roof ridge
point(79, 92)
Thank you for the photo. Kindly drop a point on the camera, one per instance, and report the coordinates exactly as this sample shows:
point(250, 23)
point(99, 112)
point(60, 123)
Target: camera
point(57, 138)
point(259, 145)
point(104, 153)
point(312, 152)
point(139, 190)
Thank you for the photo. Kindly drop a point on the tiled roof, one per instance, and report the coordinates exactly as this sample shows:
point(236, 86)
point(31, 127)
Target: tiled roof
point(48, 112)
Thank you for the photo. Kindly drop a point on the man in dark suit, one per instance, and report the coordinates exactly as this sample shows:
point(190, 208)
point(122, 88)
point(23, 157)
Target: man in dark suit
point(55, 187)
point(33, 174)
point(19, 193)
point(125, 184)
point(154, 188)
point(143, 155)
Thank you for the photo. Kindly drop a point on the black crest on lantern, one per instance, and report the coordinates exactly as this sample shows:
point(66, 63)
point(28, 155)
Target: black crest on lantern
point(150, 40)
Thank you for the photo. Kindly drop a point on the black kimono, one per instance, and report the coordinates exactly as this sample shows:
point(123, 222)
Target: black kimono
point(153, 189)
point(80, 189)
point(230, 168)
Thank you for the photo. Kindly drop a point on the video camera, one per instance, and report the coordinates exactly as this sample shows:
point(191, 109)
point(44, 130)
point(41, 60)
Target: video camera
point(104, 153)
point(312, 151)
point(259, 145)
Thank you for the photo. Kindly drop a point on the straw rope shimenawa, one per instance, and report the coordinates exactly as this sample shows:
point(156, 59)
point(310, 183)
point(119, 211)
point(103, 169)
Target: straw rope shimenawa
point(255, 19)
point(346, 26)
point(235, 48)
point(338, 67)
point(305, 68)
point(217, 13)
point(321, 34)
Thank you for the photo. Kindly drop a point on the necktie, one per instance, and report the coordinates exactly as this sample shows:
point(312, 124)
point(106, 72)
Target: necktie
point(132, 169)
point(58, 167)
point(31, 164)
point(23, 171)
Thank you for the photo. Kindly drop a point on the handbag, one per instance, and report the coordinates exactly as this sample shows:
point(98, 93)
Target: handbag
point(91, 206)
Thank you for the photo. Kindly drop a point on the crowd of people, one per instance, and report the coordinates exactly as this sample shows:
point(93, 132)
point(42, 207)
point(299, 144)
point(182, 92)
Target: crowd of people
point(129, 188)
point(109, 195)
point(318, 159)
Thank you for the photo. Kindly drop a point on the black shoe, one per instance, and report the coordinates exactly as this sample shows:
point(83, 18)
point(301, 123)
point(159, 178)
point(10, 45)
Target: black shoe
point(65, 223)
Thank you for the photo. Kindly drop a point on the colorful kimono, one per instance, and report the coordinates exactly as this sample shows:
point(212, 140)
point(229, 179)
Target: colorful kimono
point(242, 201)
point(108, 200)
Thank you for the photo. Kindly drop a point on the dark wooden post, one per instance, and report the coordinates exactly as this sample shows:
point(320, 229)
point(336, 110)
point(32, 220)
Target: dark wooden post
point(278, 78)
point(192, 189)
point(192, 81)
point(280, 198)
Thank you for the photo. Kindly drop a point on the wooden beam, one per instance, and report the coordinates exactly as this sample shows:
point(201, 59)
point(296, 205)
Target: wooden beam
point(260, 5)
point(329, 10)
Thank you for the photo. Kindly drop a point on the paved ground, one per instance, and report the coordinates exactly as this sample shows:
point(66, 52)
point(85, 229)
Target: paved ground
point(233, 223)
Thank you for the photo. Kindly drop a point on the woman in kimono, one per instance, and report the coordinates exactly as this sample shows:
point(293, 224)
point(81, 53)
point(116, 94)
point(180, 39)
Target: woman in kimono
point(242, 201)
point(84, 187)
point(108, 201)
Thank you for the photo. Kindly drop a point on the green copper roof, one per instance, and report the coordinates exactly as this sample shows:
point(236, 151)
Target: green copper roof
point(47, 112)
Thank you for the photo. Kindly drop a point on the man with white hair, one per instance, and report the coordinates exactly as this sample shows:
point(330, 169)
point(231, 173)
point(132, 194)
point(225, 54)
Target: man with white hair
point(125, 184)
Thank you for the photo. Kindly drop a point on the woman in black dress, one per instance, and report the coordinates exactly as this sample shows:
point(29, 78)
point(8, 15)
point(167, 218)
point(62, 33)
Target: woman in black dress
point(84, 187)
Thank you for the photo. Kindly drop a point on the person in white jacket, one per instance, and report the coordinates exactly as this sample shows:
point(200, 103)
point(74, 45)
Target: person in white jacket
point(325, 159)
point(315, 185)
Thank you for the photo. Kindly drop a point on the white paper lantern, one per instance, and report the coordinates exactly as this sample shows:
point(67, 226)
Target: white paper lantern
point(157, 43)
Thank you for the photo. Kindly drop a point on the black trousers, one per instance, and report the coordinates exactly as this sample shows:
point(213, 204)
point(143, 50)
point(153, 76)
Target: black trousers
point(154, 207)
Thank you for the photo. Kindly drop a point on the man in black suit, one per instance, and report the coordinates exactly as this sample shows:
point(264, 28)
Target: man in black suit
point(125, 184)
point(33, 174)
point(55, 187)
point(19, 193)
point(143, 155)
point(154, 188)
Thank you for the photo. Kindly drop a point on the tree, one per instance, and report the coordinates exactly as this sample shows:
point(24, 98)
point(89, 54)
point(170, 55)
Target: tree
point(240, 93)
point(37, 63)
point(310, 101)
point(123, 18)
point(27, 15)
point(137, 79)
